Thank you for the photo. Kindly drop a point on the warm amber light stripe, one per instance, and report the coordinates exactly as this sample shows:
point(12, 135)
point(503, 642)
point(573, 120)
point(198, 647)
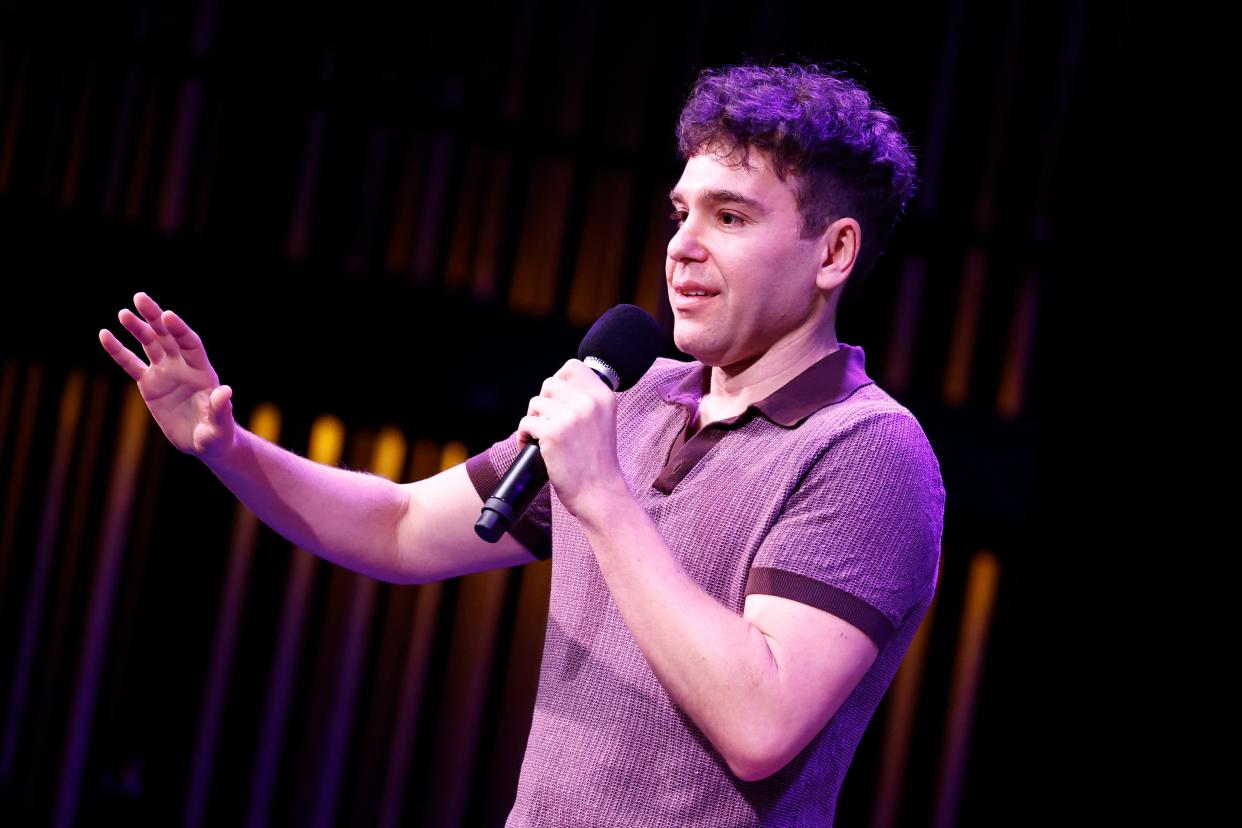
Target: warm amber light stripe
point(135, 423)
point(264, 422)
point(965, 329)
point(303, 217)
point(77, 144)
point(401, 236)
point(452, 454)
point(179, 161)
point(142, 155)
point(427, 245)
point(466, 220)
point(327, 439)
point(425, 461)
point(10, 127)
point(57, 633)
point(981, 588)
point(41, 565)
point(539, 250)
point(899, 361)
point(651, 291)
point(597, 273)
point(387, 459)
point(475, 628)
point(410, 702)
point(521, 681)
point(492, 220)
point(903, 702)
point(467, 676)
point(22, 440)
point(1011, 396)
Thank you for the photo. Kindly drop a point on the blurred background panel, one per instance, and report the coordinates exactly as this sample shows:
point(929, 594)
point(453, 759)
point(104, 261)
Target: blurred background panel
point(388, 226)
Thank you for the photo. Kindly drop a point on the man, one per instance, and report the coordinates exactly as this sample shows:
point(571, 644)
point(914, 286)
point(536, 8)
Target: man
point(743, 546)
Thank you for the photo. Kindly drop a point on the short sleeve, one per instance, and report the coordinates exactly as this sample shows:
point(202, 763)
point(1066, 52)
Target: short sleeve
point(534, 528)
point(860, 536)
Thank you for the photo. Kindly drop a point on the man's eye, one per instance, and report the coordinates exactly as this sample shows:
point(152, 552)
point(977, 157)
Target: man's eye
point(678, 216)
point(730, 219)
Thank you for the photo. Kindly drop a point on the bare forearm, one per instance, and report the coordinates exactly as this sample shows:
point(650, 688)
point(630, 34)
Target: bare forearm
point(346, 517)
point(714, 664)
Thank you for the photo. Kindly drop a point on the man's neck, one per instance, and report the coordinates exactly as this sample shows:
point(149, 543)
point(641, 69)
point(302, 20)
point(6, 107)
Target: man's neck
point(735, 387)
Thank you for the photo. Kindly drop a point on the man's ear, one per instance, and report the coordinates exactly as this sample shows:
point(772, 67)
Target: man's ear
point(841, 242)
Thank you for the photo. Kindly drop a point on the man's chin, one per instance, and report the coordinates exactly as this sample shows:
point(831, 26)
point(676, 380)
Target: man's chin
point(695, 349)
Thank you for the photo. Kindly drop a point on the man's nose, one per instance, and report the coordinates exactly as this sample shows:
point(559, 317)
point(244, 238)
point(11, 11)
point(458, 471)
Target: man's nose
point(685, 243)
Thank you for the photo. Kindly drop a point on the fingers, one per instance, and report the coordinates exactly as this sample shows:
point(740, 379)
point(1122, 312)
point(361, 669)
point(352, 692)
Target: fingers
point(188, 342)
point(143, 333)
point(152, 313)
point(122, 355)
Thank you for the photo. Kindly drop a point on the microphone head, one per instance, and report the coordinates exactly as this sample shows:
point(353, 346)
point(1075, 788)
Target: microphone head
point(628, 339)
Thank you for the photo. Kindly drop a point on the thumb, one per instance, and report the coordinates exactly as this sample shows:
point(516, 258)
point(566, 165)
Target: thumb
point(221, 401)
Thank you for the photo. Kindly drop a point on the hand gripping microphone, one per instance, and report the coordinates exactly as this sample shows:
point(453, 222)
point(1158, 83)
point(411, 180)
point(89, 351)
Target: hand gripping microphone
point(620, 347)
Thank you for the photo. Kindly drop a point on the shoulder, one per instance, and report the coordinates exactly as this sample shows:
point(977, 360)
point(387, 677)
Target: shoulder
point(872, 430)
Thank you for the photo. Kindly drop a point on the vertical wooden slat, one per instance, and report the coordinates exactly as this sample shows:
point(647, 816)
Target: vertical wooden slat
point(539, 252)
point(308, 185)
point(400, 248)
point(521, 683)
point(903, 702)
point(899, 359)
point(1011, 395)
point(71, 402)
point(124, 120)
point(981, 588)
point(370, 196)
point(265, 423)
point(597, 272)
point(434, 198)
point(400, 734)
point(326, 443)
point(177, 168)
point(26, 422)
point(386, 461)
point(651, 291)
point(491, 224)
point(143, 154)
point(956, 387)
point(77, 143)
point(135, 423)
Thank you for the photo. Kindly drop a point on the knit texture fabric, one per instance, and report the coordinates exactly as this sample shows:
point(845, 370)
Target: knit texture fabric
point(838, 504)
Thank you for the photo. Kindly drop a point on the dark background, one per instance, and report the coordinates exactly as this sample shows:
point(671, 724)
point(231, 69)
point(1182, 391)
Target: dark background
point(341, 203)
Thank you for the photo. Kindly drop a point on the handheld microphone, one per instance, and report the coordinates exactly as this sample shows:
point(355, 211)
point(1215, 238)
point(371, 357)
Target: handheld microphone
point(620, 347)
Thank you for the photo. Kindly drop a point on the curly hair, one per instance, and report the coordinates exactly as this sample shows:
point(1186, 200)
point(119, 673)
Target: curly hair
point(848, 156)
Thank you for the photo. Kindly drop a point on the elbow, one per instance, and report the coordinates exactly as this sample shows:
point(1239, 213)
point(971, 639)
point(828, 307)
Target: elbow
point(754, 760)
point(754, 768)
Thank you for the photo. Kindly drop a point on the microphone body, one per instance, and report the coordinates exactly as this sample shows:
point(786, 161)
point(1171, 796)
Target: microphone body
point(620, 347)
point(525, 477)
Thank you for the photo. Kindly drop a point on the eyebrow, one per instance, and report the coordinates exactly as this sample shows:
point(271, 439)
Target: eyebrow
point(721, 196)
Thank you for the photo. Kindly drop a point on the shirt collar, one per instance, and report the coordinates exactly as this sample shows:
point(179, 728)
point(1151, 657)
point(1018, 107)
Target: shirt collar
point(828, 381)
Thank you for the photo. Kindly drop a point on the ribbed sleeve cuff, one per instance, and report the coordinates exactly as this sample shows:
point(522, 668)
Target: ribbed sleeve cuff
point(485, 479)
point(768, 581)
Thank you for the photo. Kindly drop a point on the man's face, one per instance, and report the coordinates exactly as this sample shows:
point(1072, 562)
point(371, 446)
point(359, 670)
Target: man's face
point(739, 240)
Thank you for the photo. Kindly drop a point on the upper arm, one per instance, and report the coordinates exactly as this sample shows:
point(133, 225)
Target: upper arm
point(820, 659)
point(435, 533)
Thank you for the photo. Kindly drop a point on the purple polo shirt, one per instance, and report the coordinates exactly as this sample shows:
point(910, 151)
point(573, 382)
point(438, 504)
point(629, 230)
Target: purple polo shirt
point(826, 492)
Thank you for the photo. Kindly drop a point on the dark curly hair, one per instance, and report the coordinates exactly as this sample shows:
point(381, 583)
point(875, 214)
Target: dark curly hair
point(848, 156)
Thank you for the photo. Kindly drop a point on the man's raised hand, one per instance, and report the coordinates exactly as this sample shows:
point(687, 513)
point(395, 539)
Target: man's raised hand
point(179, 386)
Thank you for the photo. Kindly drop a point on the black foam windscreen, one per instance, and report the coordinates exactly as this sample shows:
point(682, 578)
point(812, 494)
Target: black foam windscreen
point(627, 338)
